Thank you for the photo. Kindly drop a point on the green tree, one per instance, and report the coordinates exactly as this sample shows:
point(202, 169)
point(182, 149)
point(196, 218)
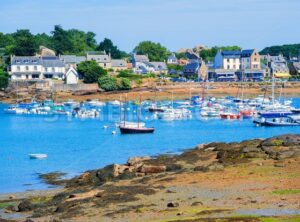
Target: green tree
point(108, 46)
point(25, 44)
point(3, 79)
point(124, 84)
point(108, 83)
point(291, 50)
point(61, 40)
point(91, 71)
point(43, 40)
point(209, 54)
point(155, 51)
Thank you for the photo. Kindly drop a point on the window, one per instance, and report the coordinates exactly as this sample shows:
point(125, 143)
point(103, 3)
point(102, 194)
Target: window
point(26, 68)
point(35, 68)
point(18, 68)
point(228, 66)
point(233, 66)
point(35, 76)
point(255, 59)
point(227, 60)
point(53, 69)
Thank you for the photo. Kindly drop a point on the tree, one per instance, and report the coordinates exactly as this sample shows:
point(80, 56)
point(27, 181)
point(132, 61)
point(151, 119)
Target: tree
point(155, 51)
point(61, 40)
point(291, 50)
point(25, 44)
point(3, 79)
point(108, 46)
point(90, 40)
point(124, 84)
point(108, 83)
point(43, 40)
point(91, 71)
point(209, 54)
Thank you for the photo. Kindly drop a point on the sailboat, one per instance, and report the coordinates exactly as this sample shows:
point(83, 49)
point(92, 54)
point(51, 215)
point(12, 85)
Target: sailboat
point(132, 128)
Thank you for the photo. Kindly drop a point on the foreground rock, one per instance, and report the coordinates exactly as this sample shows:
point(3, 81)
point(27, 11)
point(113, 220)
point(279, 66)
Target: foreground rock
point(126, 186)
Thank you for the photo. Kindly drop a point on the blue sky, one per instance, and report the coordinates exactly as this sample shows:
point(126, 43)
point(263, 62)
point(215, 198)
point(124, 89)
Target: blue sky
point(174, 23)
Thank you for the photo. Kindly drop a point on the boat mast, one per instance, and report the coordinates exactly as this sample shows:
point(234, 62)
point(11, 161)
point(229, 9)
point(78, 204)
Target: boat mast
point(120, 110)
point(125, 102)
point(139, 110)
point(273, 89)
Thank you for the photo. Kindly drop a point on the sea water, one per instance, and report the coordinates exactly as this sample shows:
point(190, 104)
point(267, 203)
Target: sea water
point(74, 145)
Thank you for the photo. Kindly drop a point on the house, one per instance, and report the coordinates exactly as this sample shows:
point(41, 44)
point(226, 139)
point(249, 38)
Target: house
point(172, 59)
point(26, 67)
point(160, 67)
point(53, 67)
point(72, 60)
point(195, 68)
point(71, 76)
point(295, 68)
point(228, 60)
point(36, 67)
point(118, 64)
point(279, 69)
point(142, 65)
point(101, 58)
point(250, 59)
point(137, 59)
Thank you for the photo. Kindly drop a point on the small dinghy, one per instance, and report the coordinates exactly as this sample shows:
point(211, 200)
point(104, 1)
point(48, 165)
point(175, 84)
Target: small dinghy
point(38, 156)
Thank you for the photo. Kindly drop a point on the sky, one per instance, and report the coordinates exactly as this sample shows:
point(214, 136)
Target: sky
point(173, 23)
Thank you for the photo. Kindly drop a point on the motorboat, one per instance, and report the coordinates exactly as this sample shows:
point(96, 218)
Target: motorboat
point(38, 156)
point(230, 115)
point(280, 121)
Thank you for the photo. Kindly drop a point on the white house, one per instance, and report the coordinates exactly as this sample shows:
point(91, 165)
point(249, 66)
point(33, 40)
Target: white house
point(228, 60)
point(172, 59)
point(71, 76)
point(36, 67)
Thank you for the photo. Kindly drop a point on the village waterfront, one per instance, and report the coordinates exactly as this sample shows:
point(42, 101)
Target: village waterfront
point(74, 145)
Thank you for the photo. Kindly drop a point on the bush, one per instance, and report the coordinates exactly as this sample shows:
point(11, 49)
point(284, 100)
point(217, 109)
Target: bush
point(124, 84)
point(91, 71)
point(3, 79)
point(108, 83)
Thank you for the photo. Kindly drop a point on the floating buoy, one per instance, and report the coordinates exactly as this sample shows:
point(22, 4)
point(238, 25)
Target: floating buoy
point(113, 132)
point(105, 127)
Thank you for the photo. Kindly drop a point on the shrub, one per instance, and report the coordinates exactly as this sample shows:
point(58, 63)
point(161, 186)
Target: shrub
point(108, 83)
point(124, 84)
point(3, 79)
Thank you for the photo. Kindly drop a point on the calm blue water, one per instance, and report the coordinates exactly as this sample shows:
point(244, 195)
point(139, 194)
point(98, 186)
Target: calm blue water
point(74, 146)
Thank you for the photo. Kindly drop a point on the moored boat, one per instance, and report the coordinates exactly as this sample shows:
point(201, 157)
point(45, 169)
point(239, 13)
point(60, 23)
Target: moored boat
point(38, 156)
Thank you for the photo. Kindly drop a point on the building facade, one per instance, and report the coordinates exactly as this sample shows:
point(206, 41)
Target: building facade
point(36, 68)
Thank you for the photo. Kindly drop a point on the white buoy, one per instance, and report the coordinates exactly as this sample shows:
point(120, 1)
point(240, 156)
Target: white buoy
point(113, 132)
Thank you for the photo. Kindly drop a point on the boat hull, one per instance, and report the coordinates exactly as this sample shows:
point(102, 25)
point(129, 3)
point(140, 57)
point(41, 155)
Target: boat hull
point(132, 130)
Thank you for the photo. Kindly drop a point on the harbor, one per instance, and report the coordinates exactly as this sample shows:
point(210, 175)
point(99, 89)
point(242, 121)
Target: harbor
point(89, 132)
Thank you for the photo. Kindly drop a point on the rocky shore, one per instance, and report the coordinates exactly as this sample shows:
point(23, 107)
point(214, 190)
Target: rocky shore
point(151, 91)
point(255, 180)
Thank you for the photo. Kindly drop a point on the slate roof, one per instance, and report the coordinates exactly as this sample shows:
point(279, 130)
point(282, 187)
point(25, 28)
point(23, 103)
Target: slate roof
point(172, 57)
point(26, 60)
point(231, 54)
point(72, 58)
point(99, 58)
point(247, 52)
point(52, 61)
point(191, 67)
point(118, 63)
point(159, 66)
point(140, 58)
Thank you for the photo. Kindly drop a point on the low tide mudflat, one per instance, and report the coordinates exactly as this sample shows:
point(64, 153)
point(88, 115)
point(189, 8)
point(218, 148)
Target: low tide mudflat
point(255, 180)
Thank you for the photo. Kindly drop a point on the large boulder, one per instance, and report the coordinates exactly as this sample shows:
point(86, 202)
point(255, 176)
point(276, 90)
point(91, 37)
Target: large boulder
point(25, 205)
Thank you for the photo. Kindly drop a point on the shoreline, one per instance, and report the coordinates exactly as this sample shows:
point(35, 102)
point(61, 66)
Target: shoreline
point(258, 175)
point(160, 92)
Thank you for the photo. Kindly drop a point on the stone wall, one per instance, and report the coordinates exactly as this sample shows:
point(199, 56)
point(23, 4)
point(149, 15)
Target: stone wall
point(75, 87)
